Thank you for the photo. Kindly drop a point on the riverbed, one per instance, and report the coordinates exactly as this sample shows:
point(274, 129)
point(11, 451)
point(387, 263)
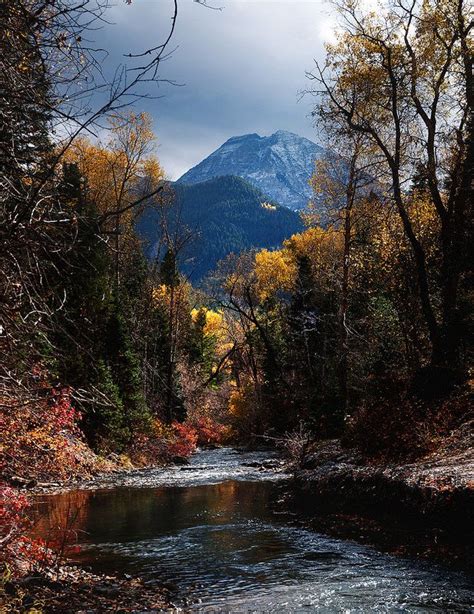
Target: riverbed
point(217, 534)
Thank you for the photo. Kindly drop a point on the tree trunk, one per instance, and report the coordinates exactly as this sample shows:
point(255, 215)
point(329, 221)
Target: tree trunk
point(344, 305)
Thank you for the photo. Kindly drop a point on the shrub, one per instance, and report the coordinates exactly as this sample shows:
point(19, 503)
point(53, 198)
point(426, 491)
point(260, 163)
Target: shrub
point(296, 446)
point(210, 432)
point(40, 434)
point(184, 441)
point(20, 553)
point(165, 443)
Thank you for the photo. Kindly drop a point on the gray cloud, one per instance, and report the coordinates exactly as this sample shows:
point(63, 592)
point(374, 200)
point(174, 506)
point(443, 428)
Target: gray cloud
point(241, 69)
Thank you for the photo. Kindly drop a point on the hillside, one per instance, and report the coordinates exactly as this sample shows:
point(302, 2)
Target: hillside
point(224, 215)
point(279, 165)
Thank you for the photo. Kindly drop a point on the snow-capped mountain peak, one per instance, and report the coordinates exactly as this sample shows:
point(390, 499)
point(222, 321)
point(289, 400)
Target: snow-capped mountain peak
point(280, 165)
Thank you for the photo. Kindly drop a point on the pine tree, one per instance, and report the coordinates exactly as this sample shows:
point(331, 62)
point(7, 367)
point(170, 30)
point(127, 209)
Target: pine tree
point(25, 98)
point(169, 270)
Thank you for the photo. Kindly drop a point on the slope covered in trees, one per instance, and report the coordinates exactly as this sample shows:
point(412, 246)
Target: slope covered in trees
point(215, 218)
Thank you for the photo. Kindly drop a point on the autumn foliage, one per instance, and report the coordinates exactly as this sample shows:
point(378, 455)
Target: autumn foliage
point(363, 319)
point(20, 553)
point(41, 439)
point(210, 432)
point(179, 440)
point(183, 441)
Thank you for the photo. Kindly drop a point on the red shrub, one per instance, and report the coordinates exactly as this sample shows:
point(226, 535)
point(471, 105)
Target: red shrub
point(19, 552)
point(40, 434)
point(63, 414)
point(209, 432)
point(185, 440)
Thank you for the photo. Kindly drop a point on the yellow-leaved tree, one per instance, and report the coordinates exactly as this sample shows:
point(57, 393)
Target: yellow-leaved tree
point(122, 175)
point(275, 271)
point(401, 77)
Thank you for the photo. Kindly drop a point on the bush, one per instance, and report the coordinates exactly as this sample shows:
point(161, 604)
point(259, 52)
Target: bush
point(408, 428)
point(165, 443)
point(209, 432)
point(184, 441)
point(296, 446)
point(20, 553)
point(40, 434)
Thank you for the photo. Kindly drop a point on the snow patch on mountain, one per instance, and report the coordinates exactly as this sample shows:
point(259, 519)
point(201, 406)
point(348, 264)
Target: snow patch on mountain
point(279, 165)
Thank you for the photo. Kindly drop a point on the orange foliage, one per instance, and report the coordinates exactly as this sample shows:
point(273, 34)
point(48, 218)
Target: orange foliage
point(210, 432)
point(184, 442)
point(177, 440)
point(40, 434)
point(165, 443)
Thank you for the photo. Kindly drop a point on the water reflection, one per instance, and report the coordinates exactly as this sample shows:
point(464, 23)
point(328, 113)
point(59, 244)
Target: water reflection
point(222, 544)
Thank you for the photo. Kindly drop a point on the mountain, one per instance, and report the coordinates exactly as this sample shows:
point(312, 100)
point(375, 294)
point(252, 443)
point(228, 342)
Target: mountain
point(224, 215)
point(279, 165)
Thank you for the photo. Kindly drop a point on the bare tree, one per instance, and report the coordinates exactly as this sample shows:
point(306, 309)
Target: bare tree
point(53, 89)
point(403, 79)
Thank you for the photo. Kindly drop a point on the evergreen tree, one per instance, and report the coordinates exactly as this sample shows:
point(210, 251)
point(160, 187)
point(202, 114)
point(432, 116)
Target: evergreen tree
point(92, 331)
point(124, 366)
point(168, 270)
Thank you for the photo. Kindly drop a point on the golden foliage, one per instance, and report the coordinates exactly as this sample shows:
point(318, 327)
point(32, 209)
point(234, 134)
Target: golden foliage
point(214, 324)
point(215, 328)
point(274, 270)
point(116, 170)
point(323, 248)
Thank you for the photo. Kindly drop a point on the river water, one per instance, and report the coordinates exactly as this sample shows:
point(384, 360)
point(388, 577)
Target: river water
point(214, 532)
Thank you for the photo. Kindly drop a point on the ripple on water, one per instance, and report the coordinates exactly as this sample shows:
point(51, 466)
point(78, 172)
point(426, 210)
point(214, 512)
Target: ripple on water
point(215, 538)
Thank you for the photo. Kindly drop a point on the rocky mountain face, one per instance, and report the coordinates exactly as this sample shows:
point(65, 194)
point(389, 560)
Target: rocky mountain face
point(279, 165)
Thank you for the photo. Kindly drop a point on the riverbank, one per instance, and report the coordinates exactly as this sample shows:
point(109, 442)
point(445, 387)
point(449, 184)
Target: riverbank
point(70, 589)
point(438, 488)
point(431, 498)
point(220, 534)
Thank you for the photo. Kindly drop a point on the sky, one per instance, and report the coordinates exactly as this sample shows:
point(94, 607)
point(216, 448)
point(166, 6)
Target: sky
point(240, 69)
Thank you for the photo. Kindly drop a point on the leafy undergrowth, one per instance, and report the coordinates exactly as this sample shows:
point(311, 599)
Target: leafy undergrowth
point(209, 432)
point(170, 442)
point(41, 439)
point(411, 429)
point(70, 589)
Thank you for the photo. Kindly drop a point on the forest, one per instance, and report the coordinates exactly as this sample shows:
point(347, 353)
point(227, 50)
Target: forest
point(122, 350)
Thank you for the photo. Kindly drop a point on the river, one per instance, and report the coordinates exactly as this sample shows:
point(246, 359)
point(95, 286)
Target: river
point(215, 533)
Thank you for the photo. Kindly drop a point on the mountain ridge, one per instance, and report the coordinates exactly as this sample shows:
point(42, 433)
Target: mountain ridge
point(280, 165)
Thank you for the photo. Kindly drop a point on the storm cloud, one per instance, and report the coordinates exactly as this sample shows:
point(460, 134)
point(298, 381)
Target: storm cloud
point(240, 69)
